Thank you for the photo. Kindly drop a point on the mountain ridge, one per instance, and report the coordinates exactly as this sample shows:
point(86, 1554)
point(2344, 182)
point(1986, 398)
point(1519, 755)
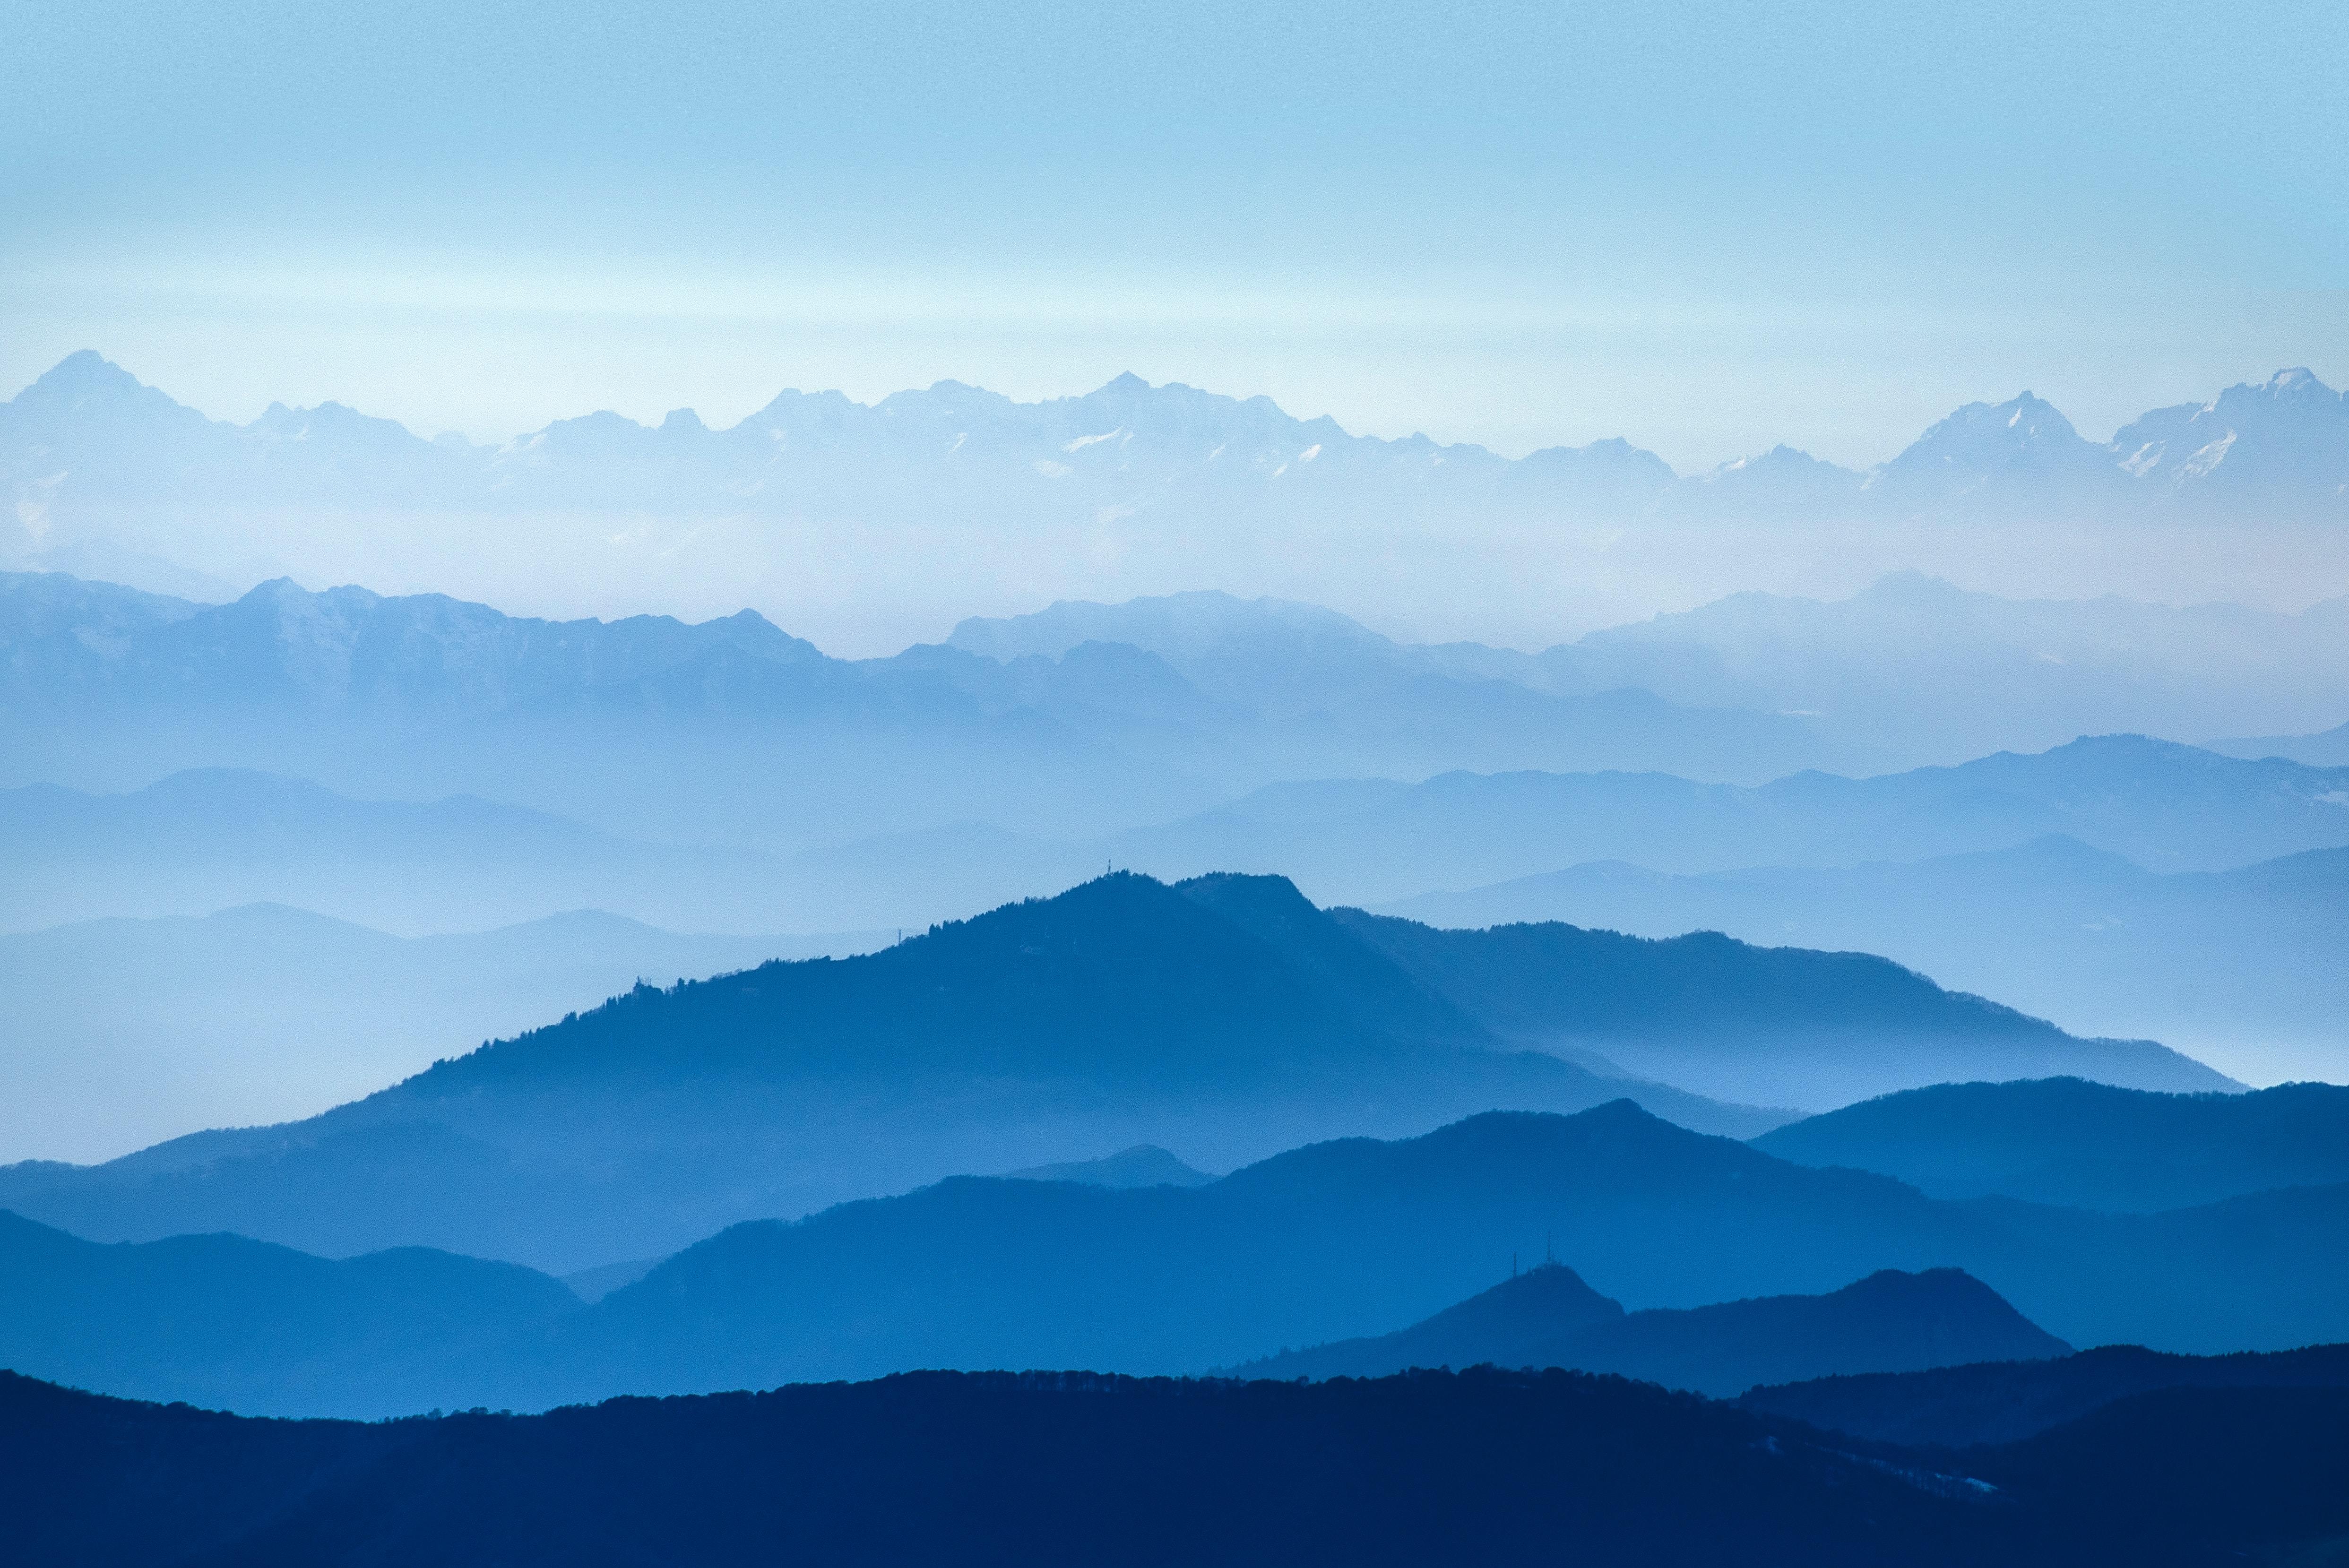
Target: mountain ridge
point(1351, 1237)
point(1327, 1241)
point(2001, 1402)
point(1122, 1011)
point(1226, 1017)
point(1891, 1321)
point(2065, 1141)
point(2245, 430)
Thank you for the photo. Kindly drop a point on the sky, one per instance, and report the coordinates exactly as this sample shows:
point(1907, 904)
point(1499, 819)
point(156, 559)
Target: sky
point(1707, 228)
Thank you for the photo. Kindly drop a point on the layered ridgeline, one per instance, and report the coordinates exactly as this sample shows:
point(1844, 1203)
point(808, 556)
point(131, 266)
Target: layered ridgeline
point(2091, 1145)
point(1890, 1322)
point(1225, 1017)
point(1690, 1011)
point(426, 695)
point(207, 839)
point(1910, 670)
point(1349, 1240)
point(1371, 841)
point(730, 728)
point(1074, 1469)
point(1149, 708)
point(2156, 803)
point(227, 1323)
point(1356, 1238)
point(2327, 749)
point(1130, 484)
point(2242, 960)
point(1961, 1406)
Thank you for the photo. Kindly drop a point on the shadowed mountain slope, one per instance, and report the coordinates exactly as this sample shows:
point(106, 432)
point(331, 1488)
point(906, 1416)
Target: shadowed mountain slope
point(1762, 1024)
point(220, 1320)
point(2089, 1145)
point(1494, 1327)
point(1890, 1321)
point(2003, 1401)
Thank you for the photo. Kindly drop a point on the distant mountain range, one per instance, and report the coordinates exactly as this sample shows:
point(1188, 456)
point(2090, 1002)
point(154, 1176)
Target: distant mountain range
point(2329, 749)
point(2163, 806)
point(645, 727)
point(87, 440)
point(2236, 965)
point(2166, 806)
point(1089, 718)
point(127, 1032)
point(1910, 670)
point(961, 502)
point(1078, 1470)
point(208, 840)
point(1890, 1322)
point(426, 696)
point(1225, 1017)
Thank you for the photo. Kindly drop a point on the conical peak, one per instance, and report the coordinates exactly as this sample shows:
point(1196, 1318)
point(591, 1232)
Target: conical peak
point(84, 376)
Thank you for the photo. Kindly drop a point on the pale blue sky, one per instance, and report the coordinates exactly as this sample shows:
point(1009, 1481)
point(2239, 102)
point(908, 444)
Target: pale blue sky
point(1705, 227)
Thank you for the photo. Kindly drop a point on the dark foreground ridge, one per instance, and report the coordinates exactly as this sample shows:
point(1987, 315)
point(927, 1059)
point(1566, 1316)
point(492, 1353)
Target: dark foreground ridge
point(1043, 1469)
